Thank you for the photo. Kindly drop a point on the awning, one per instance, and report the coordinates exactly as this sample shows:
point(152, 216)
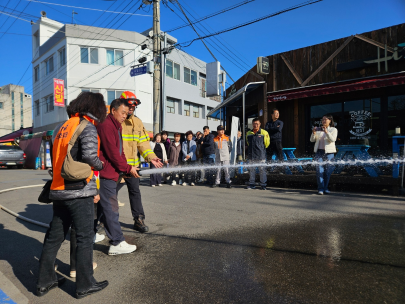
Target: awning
point(216, 113)
point(16, 134)
point(338, 87)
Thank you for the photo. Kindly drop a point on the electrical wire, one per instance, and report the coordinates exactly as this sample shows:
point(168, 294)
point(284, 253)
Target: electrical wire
point(15, 19)
point(189, 42)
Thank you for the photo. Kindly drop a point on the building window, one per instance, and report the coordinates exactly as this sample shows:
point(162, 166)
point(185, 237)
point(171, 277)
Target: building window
point(22, 109)
point(172, 69)
point(84, 55)
point(396, 112)
point(186, 109)
point(115, 57)
point(48, 101)
point(1, 105)
point(113, 94)
point(49, 66)
point(196, 111)
point(36, 73)
point(190, 76)
point(36, 107)
point(62, 57)
point(170, 106)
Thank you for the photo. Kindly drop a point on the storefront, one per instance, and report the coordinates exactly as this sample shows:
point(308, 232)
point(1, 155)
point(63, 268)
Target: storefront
point(360, 80)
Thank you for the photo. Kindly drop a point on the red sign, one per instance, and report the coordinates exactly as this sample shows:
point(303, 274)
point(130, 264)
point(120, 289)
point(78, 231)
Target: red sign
point(59, 92)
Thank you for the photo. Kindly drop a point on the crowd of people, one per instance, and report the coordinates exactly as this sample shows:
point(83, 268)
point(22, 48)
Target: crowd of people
point(111, 145)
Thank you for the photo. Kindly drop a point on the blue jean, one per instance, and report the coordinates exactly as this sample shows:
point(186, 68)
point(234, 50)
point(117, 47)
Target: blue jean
point(209, 160)
point(323, 173)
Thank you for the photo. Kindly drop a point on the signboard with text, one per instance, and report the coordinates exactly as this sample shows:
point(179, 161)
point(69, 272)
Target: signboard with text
point(138, 71)
point(58, 92)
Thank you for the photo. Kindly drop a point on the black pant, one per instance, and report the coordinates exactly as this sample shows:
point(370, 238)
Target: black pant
point(155, 179)
point(189, 175)
point(174, 176)
point(209, 160)
point(275, 148)
point(108, 211)
point(135, 198)
point(80, 212)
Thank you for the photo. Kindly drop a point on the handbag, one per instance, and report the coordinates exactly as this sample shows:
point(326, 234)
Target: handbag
point(73, 170)
point(44, 196)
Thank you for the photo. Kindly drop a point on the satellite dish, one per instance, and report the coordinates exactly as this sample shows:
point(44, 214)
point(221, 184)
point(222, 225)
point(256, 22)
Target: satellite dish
point(43, 13)
point(147, 2)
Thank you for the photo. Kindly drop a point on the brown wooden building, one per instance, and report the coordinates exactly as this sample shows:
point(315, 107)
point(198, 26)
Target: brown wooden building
point(360, 80)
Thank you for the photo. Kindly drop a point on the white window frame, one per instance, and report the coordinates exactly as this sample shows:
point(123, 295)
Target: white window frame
point(198, 111)
point(90, 90)
point(184, 73)
point(115, 59)
point(36, 73)
point(62, 56)
point(173, 108)
point(89, 50)
point(187, 104)
point(173, 64)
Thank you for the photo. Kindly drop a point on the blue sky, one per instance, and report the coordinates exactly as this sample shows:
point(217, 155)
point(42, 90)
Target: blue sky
point(317, 23)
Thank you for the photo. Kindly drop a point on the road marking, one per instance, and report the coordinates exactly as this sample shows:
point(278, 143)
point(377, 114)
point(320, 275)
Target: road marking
point(10, 293)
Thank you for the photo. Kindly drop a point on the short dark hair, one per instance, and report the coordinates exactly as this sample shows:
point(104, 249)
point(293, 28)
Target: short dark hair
point(71, 108)
point(90, 103)
point(116, 103)
point(256, 119)
point(177, 134)
point(206, 127)
point(188, 133)
point(330, 117)
point(156, 135)
point(275, 109)
point(164, 133)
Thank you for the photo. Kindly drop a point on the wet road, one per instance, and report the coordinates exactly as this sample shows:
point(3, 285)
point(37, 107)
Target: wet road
point(227, 246)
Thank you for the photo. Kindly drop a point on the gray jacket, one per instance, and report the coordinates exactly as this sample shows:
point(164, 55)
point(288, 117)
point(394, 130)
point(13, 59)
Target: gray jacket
point(88, 146)
point(222, 148)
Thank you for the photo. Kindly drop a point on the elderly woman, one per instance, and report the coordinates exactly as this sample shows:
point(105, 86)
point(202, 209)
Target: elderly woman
point(324, 138)
point(159, 149)
point(189, 149)
point(73, 200)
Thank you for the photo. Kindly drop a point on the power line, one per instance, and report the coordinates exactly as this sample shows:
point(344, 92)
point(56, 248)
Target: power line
point(11, 12)
point(212, 15)
point(15, 19)
point(252, 21)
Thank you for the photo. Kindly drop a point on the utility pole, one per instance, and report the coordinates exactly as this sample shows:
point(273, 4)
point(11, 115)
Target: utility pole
point(157, 59)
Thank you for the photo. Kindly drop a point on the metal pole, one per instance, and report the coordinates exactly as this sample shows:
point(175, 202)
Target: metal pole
point(220, 116)
point(157, 59)
point(164, 85)
point(244, 127)
point(402, 181)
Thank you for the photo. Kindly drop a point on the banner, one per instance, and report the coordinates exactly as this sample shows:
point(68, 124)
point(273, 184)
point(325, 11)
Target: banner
point(59, 92)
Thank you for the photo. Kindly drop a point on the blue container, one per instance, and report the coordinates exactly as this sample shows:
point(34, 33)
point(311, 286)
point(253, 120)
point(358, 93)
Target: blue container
point(240, 169)
point(37, 163)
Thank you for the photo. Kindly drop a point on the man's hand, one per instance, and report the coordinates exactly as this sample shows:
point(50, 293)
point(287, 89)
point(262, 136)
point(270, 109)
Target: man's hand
point(157, 163)
point(166, 162)
point(134, 172)
point(96, 198)
point(188, 157)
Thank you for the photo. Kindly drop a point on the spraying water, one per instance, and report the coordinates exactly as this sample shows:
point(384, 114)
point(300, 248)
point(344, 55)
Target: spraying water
point(356, 162)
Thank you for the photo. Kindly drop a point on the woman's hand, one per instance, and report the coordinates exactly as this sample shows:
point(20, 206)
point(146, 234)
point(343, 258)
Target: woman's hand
point(314, 130)
point(325, 129)
point(96, 198)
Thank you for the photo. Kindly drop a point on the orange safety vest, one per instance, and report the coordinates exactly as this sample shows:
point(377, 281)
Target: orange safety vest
point(59, 152)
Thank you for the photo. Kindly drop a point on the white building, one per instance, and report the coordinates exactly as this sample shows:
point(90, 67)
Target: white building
point(15, 109)
point(100, 60)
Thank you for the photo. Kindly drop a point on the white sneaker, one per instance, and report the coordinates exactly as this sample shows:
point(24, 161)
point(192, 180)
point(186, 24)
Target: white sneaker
point(99, 237)
point(121, 248)
point(192, 184)
point(121, 204)
point(184, 184)
point(160, 185)
point(320, 192)
point(152, 185)
point(174, 183)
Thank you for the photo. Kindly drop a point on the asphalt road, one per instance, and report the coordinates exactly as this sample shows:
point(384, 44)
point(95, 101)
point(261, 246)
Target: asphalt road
point(222, 246)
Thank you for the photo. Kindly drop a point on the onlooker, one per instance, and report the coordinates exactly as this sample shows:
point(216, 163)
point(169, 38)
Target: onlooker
point(135, 138)
point(324, 138)
point(175, 158)
point(166, 143)
point(189, 148)
point(199, 154)
point(223, 148)
point(274, 127)
point(258, 140)
point(115, 163)
point(208, 152)
point(240, 147)
point(73, 202)
point(159, 149)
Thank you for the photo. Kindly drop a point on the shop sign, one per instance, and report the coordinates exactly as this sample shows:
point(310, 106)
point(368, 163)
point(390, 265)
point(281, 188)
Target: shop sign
point(399, 54)
point(59, 92)
point(278, 98)
point(360, 120)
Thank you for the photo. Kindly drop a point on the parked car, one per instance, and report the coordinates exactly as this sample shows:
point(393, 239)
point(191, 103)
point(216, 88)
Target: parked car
point(12, 155)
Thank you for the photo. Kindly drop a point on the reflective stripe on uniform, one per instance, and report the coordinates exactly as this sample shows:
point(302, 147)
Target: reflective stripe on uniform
point(146, 153)
point(133, 162)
